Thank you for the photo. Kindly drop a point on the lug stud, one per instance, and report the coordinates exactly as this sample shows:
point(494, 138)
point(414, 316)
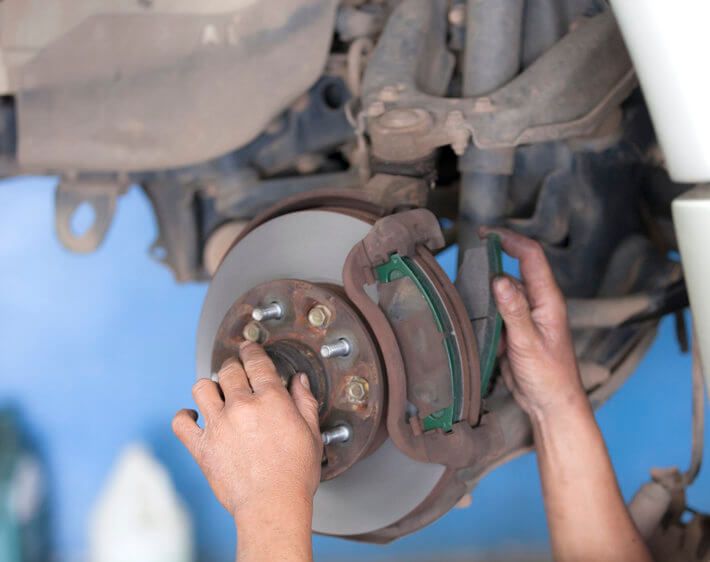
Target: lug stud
point(338, 434)
point(341, 348)
point(273, 311)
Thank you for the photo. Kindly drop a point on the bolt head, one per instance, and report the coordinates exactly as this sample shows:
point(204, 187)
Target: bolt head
point(402, 120)
point(357, 390)
point(457, 15)
point(318, 316)
point(376, 109)
point(252, 332)
point(389, 93)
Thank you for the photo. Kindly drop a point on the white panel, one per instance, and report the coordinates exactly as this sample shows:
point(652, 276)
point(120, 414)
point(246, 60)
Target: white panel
point(669, 43)
point(691, 215)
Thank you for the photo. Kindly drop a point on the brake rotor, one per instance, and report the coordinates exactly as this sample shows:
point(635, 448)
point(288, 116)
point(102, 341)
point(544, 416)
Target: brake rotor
point(312, 246)
point(408, 386)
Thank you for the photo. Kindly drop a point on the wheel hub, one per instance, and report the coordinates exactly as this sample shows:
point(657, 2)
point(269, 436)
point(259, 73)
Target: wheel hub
point(349, 388)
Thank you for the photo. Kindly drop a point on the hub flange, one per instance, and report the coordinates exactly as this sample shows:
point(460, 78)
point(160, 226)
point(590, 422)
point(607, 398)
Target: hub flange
point(349, 388)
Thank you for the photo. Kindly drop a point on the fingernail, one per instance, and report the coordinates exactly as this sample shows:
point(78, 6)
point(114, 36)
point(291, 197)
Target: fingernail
point(503, 288)
point(304, 381)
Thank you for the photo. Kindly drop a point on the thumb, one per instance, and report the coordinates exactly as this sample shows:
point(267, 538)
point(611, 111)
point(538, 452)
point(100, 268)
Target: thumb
point(187, 431)
point(515, 310)
point(306, 403)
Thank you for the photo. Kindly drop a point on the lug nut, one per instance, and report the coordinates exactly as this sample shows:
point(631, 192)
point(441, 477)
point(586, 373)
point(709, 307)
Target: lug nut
point(274, 311)
point(356, 390)
point(252, 332)
point(338, 434)
point(341, 348)
point(318, 316)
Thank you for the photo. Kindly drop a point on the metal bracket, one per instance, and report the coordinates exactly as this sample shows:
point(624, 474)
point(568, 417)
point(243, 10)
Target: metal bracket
point(567, 92)
point(101, 195)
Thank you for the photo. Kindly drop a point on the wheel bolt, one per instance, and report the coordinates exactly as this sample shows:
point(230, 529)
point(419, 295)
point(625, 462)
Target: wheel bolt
point(338, 434)
point(356, 390)
point(274, 311)
point(252, 332)
point(318, 316)
point(341, 348)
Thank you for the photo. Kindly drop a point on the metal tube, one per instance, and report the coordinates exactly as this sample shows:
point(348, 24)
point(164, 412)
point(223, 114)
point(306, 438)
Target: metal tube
point(491, 59)
point(493, 44)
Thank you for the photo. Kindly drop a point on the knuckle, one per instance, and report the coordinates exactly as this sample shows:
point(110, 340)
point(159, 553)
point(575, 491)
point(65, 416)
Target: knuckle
point(177, 424)
point(200, 386)
point(271, 389)
point(264, 366)
point(310, 402)
point(227, 370)
point(535, 249)
point(517, 308)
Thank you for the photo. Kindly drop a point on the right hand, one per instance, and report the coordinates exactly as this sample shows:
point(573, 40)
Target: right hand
point(260, 447)
point(538, 364)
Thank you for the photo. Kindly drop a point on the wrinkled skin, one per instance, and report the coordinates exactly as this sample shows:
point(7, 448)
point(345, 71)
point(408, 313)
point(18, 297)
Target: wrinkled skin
point(537, 360)
point(586, 514)
point(260, 450)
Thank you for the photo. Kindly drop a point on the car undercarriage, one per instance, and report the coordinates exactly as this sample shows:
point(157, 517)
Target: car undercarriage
point(310, 158)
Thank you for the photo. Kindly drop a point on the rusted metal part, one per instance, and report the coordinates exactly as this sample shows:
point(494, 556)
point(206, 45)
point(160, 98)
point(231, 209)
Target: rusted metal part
point(294, 343)
point(101, 196)
point(463, 329)
point(413, 234)
point(397, 192)
point(680, 538)
point(421, 344)
point(567, 92)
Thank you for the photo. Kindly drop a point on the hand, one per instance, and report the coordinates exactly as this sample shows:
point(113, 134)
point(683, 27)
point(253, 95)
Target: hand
point(259, 446)
point(539, 364)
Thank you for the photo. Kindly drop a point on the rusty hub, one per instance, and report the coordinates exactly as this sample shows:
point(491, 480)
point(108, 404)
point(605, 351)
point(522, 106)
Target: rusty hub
point(349, 388)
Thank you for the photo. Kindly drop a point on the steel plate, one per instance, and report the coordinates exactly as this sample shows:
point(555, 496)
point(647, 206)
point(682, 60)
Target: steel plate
point(313, 245)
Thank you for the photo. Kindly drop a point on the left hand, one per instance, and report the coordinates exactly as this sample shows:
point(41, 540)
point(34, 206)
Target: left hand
point(259, 444)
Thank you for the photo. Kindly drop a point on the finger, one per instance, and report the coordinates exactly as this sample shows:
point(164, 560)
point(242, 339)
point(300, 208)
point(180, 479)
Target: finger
point(500, 352)
point(534, 267)
point(186, 429)
point(507, 373)
point(306, 403)
point(207, 397)
point(233, 380)
point(259, 368)
point(515, 310)
point(518, 285)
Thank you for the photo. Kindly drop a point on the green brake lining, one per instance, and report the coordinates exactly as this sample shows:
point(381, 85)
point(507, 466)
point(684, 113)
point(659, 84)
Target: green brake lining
point(399, 267)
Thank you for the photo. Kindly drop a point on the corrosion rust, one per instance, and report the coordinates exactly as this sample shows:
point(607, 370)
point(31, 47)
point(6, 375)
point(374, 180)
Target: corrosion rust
point(294, 345)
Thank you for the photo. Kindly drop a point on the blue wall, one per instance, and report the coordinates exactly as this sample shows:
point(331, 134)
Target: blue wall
point(97, 351)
